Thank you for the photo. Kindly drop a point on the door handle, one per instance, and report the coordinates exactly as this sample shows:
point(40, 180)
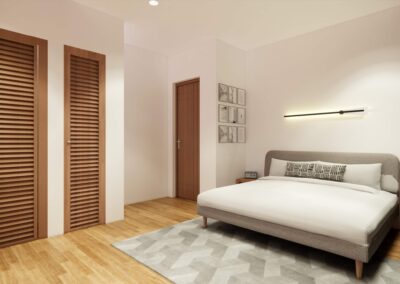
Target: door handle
point(178, 143)
point(68, 141)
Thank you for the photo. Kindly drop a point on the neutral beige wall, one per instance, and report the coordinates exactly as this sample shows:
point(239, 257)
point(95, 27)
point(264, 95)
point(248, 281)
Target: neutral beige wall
point(213, 61)
point(66, 22)
point(354, 64)
point(146, 125)
point(231, 70)
point(199, 62)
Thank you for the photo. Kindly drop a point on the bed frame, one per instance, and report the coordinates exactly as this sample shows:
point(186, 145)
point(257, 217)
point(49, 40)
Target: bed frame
point(361, 254)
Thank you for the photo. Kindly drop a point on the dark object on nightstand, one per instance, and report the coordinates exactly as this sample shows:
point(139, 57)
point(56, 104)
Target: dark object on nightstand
point(251, 174)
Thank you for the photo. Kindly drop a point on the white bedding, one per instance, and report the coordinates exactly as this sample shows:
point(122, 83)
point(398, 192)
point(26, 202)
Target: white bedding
point(341, 210)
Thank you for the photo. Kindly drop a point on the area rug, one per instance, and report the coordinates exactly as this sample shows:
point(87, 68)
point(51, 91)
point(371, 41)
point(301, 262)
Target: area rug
point(223, 253)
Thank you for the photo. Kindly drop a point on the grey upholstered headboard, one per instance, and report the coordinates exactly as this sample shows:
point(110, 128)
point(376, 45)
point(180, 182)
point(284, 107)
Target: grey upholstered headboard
point(390, 163)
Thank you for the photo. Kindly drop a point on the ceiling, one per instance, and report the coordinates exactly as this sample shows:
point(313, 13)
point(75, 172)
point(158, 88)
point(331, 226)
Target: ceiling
point(175, 25)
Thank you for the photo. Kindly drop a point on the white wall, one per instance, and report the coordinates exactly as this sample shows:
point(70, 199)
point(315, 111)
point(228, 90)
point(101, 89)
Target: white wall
point(66, 22)
point(146, 142)
point(199, 62)
point(231, 70)
point(212, 61)
point(354, 64)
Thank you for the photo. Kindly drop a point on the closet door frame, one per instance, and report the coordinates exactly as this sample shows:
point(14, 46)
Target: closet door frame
point(40, 46)
point(68, 51)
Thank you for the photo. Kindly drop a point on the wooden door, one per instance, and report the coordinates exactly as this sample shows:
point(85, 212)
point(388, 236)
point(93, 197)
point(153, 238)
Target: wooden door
point(187, 139)
point(23, 138)
point(84, 139)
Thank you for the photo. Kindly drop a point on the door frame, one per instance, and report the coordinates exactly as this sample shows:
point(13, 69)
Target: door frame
point(41, 118)
point(68, 51)
point(175, 131)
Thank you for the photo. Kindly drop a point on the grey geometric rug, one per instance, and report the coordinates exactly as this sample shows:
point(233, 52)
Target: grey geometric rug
point(223, 253)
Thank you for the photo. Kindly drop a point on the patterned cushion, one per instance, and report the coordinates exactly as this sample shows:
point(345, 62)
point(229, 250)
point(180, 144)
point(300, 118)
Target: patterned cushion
point(299, 169)
point(329, 172)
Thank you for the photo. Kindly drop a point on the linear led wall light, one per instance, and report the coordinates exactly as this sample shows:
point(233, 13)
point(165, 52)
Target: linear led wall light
point(340, 112)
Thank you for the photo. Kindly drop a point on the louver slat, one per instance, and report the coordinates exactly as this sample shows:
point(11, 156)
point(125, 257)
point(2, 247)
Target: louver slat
point(18, 143)
point(85, 145)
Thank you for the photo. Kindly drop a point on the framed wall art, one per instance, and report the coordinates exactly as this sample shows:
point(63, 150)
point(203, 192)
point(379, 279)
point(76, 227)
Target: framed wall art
point(232, 95)
point(241, 97)
point(223, 93)
point(231, 114)
point(232, 134)
point(223, 113)
point(241, 116)
point(223, 134)
point(241, 133)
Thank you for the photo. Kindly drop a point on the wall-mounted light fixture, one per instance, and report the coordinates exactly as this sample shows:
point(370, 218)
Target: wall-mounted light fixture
point(340, 112)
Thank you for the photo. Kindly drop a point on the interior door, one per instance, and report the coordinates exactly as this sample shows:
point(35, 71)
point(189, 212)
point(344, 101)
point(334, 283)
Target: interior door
point(23, 138)
point(187, 139)
point(84, 138)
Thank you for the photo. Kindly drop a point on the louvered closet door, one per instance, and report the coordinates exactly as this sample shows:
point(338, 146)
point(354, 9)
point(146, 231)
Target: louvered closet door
point(84, 133)
point(19, 138)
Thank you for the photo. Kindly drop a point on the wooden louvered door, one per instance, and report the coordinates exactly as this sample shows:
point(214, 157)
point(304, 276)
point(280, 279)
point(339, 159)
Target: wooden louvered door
point(84, 138)
point(23, 138)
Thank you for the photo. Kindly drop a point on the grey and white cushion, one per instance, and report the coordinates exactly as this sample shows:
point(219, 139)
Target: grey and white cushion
point(278, 167)
point(299, 169)
point(329, 172)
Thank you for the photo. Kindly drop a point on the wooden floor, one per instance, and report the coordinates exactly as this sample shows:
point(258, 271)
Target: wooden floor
point(86, 256)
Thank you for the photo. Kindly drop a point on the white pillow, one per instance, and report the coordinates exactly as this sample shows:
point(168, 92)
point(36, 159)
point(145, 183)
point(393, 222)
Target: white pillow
point(364, 174)
point(278, 167)
point(389, 183)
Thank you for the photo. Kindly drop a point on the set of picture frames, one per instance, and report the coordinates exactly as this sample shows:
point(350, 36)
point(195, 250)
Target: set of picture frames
point(231, 114)
point(231, 134)
point(232, 95)
point(231, 110)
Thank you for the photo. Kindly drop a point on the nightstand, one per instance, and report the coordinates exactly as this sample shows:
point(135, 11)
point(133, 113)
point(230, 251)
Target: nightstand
point(242, 180)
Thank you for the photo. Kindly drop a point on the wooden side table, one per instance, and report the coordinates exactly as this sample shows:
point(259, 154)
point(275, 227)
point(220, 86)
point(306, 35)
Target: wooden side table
point(242, 180)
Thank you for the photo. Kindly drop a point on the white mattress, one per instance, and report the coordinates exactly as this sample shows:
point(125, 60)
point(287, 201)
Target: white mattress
point(345, 211)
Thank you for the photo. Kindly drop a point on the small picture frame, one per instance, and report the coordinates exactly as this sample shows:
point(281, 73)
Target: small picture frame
point(241, 115)
point(232, 114)
point(232, 95)
point(223, 134)
point(223, 93)
point(232, 134)
point(241, 97)
point(241, 134)
point(223, 113)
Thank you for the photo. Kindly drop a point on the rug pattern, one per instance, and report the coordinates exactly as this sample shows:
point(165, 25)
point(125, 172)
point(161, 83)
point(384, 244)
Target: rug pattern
point(223, 253)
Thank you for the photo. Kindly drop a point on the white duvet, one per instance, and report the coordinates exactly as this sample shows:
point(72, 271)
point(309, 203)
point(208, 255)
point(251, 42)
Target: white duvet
point(345, 211)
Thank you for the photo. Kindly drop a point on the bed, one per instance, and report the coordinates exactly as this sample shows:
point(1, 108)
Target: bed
point(347, 219)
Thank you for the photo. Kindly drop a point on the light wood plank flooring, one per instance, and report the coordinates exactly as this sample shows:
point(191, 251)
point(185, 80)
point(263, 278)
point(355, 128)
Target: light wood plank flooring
point(86, 256)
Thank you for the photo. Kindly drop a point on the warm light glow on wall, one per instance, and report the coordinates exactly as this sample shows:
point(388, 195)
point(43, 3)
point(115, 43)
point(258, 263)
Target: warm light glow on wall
point(153, 2)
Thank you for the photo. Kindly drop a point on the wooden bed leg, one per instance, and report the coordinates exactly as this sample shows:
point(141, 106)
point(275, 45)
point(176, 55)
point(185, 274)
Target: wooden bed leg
point(204, 222)
point(359, 269)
